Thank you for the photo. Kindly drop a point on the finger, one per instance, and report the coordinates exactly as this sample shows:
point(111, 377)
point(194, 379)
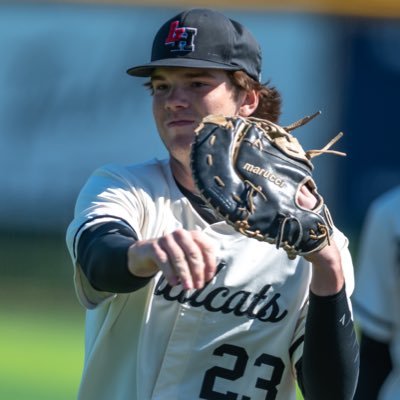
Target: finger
point(207, 249)
point(199, 256)
point(306, 197)
point(164, 264)
point(172, 245)
point(192, 248)
point(193, 255)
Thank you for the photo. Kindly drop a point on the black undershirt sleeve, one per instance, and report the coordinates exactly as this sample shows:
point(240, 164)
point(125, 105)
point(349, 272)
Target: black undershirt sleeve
point(375, 366)
point(103, 248)
point(329, 366)
point(102, 254)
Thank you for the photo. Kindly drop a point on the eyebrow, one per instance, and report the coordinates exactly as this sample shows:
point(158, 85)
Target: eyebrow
point(189, 74)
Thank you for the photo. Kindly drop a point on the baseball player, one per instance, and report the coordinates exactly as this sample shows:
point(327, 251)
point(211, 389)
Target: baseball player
point(179, 304)
point(377, 300)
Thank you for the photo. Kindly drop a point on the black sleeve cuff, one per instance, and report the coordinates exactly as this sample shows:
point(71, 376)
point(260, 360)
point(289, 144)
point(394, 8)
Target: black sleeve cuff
point(330, 362)
point(102, 255)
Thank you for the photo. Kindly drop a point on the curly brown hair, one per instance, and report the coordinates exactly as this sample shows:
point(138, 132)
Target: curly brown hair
point(270, 101)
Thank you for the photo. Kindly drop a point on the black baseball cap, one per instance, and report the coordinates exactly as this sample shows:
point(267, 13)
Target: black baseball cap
point(203, 38)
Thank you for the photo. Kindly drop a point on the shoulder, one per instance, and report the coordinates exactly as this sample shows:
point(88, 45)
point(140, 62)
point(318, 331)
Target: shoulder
point(126, 186)
point(389, 201)
point(153, 167)
point(383, 213)
point(151, 174)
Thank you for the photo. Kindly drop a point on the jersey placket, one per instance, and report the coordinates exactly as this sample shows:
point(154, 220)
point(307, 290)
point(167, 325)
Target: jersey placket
point(178, 354)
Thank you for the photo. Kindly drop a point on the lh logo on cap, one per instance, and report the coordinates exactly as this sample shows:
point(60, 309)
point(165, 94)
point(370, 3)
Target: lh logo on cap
point(180, 38)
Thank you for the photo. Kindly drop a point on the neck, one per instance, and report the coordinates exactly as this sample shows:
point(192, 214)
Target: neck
point(182, 173)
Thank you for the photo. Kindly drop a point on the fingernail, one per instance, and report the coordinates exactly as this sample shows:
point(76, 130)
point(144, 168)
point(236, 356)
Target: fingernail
point(187, 285)
point(173, 281)
point(199, 284)
point(209, 277)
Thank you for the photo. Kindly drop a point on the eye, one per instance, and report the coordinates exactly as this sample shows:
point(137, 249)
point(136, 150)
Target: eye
point(198, 84)
point(159, 87)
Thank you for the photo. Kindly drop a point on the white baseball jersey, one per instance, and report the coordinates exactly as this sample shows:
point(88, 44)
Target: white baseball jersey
point(377, 294)
point(237, 338)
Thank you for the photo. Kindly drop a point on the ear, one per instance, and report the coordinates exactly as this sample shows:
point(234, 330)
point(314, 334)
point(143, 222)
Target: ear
point(249, 103)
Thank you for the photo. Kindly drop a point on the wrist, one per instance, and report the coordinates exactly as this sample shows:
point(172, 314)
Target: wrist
point(137, 263)
point(327, 272)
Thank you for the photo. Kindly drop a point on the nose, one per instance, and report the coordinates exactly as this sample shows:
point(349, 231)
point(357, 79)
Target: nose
point(176, 99)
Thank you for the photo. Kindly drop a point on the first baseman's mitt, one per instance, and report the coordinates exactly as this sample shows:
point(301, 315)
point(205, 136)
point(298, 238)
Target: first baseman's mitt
point(250, 171)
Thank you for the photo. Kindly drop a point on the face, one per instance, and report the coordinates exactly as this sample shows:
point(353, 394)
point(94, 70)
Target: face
point(182, 97)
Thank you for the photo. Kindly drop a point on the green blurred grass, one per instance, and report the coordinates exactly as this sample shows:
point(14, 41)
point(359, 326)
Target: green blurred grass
point(41, 335)
point(41, 355)
point(42, 324)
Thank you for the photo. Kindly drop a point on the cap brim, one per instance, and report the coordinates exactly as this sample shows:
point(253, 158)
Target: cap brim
point(147, 69)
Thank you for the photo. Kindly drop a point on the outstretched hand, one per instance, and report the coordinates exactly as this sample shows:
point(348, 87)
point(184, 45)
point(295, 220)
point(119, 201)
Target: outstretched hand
point(185, 257)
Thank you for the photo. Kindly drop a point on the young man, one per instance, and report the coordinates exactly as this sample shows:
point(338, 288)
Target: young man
point(377, 300)
point(180, 306)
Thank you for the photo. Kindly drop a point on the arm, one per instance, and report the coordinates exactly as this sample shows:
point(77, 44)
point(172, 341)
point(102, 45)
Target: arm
point(376, 298)
point(185, 257)
point(102, 255)
point(330, 362)
point(329, 365)
point(375, 366)
point(114, 260)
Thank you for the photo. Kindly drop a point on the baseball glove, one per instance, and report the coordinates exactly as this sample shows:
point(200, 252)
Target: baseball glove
point(250, 171)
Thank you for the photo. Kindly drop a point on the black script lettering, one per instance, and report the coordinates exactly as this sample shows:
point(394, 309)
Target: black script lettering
point(226, 300)
point(258, 297)
point(166, 290)
point(207, 302)
point(242, 296)
point(270, 312)
point(163, 288)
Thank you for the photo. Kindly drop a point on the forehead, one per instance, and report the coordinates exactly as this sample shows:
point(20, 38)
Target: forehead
point(188, 73)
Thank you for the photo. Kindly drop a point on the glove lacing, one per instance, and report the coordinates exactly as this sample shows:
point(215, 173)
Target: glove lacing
point(314, 153)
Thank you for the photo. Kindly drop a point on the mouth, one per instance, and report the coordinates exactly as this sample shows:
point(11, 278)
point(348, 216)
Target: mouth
point(180, 123)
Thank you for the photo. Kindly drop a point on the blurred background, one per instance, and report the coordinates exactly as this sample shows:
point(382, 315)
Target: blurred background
point(67, 106)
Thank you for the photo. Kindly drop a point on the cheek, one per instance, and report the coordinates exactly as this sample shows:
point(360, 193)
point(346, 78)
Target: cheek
point(155, 106)
point(223, 104)
point(157, 111)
